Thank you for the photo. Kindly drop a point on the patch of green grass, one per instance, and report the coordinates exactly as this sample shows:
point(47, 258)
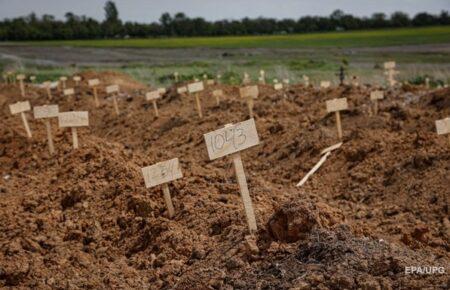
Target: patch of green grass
point(366, 38)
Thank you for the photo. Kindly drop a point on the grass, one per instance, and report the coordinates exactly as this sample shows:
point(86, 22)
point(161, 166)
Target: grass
point(366, 38)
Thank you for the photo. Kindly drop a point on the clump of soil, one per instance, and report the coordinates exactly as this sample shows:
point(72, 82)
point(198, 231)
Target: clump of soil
point(84, 219)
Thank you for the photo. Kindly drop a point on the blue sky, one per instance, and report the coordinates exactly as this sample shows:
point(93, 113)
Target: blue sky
point(150, 10)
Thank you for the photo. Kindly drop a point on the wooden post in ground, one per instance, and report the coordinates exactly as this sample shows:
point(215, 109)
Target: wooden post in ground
point(93, 84)
point(113, 90)
point(337, 105)
point(230, 140)
point(48, 88)
point(46, 112)
point(249, 93)
point(374, 97)
point(73, 120)
point(196, 88)
point(153, 96)
point(63, 83)
point(21, 108)
point(21, 78)
point(160, 174)
point(217, 94)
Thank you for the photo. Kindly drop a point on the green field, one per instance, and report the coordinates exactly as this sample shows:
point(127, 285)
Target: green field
point(369, 38)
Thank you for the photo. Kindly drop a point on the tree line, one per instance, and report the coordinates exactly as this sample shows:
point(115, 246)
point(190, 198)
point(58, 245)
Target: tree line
point(47, 27)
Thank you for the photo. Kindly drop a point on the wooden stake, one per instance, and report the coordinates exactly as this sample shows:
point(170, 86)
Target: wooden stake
point(25, 124)
point(22, 88)
point(217, 100)
point(49, 136)
point(168, 200)
point(74, 138)
point(375, 107)
point(97, 104)
point(116, 106)
point(250, 106)
point(248, 206)
point(155, 106)
point(338, 124)
point(199, 106)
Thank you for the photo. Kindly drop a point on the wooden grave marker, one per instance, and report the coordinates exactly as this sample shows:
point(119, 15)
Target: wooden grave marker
point(32, 79)
point(77, 80)
point(73, 120)
point(181, 90)
point(262, 77)
point(325, 84)
point(21, 78)
point(306, 80)
point(278, 86)
point(337, 105)
point(374, 97)
point(153, 96)
point(21, 108)
point(210, 82)
point(175, 75)
point(48, 88)
point(249, 93)
point(113, 90)
point(230, 140)
point(162, 173)
point(195, 88)
point(443, 127)
point(63, 83)
point(162, 91)
point(218, 94)
point(69, 92)
point(46, 112)
point(94, 83)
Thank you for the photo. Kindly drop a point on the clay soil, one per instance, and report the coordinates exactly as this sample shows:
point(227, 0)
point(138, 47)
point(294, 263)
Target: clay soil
point(83, 219)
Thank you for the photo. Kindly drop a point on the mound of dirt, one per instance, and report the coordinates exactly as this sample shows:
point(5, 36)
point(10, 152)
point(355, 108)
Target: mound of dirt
point(84, 219)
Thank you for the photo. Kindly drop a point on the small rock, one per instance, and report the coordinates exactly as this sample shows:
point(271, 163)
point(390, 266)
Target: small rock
point(250, 243)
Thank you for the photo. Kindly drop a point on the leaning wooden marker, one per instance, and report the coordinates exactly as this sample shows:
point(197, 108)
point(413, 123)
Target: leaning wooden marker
point(46, 112)
point(48, 88)
point(231, 140)
point(249, 93)
point(113, 90)
point(337, 105)
point(374, 97)
point(195, 88)
point(21, 108)
point(153, 96)
point(63, 83)
point(77, 80)
point(94, 84)
point(21, 78)
point(73, 120)
point(218, 94)
point(443, 127)
point(162, 173)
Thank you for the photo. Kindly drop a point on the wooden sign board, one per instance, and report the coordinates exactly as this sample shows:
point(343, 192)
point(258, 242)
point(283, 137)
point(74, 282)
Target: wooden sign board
point(305, 77)
point(47, 84)
point(77, 78)
point(217, 93)
point(325, 84)
point(63, 79)
point(162, 91)
point(389, 65)
point(162, 172)
point(195, 87)
point(32, 78)
point(150, 96)
point(112, 89)
point(20, 77)
point(210, 82)
point(286, 81)
point(93, 82)
point(181, 90)
point(278, 86)
point(73, 119)
point(443, 126)
point(376, 95)
point(231, 139)
point(335, 105)
point(46, 111)
point(19, 107)
point(69, 92)
point(249, 92)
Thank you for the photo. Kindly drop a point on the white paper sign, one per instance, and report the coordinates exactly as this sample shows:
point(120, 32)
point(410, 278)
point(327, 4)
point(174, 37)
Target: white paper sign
point(249, 92)
point(150, 96)
point(443, 126)
point(69, 92)
point(195, 87)
point(181, 90)
point(112, 89)
point(325, 84)
point(93, 82)
point(376, 95)
point(46, 111)
point(337, 105)
point(231, 139)
point(162, 172)
point(217, 93)
point(19, 107)
point(73, 119)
